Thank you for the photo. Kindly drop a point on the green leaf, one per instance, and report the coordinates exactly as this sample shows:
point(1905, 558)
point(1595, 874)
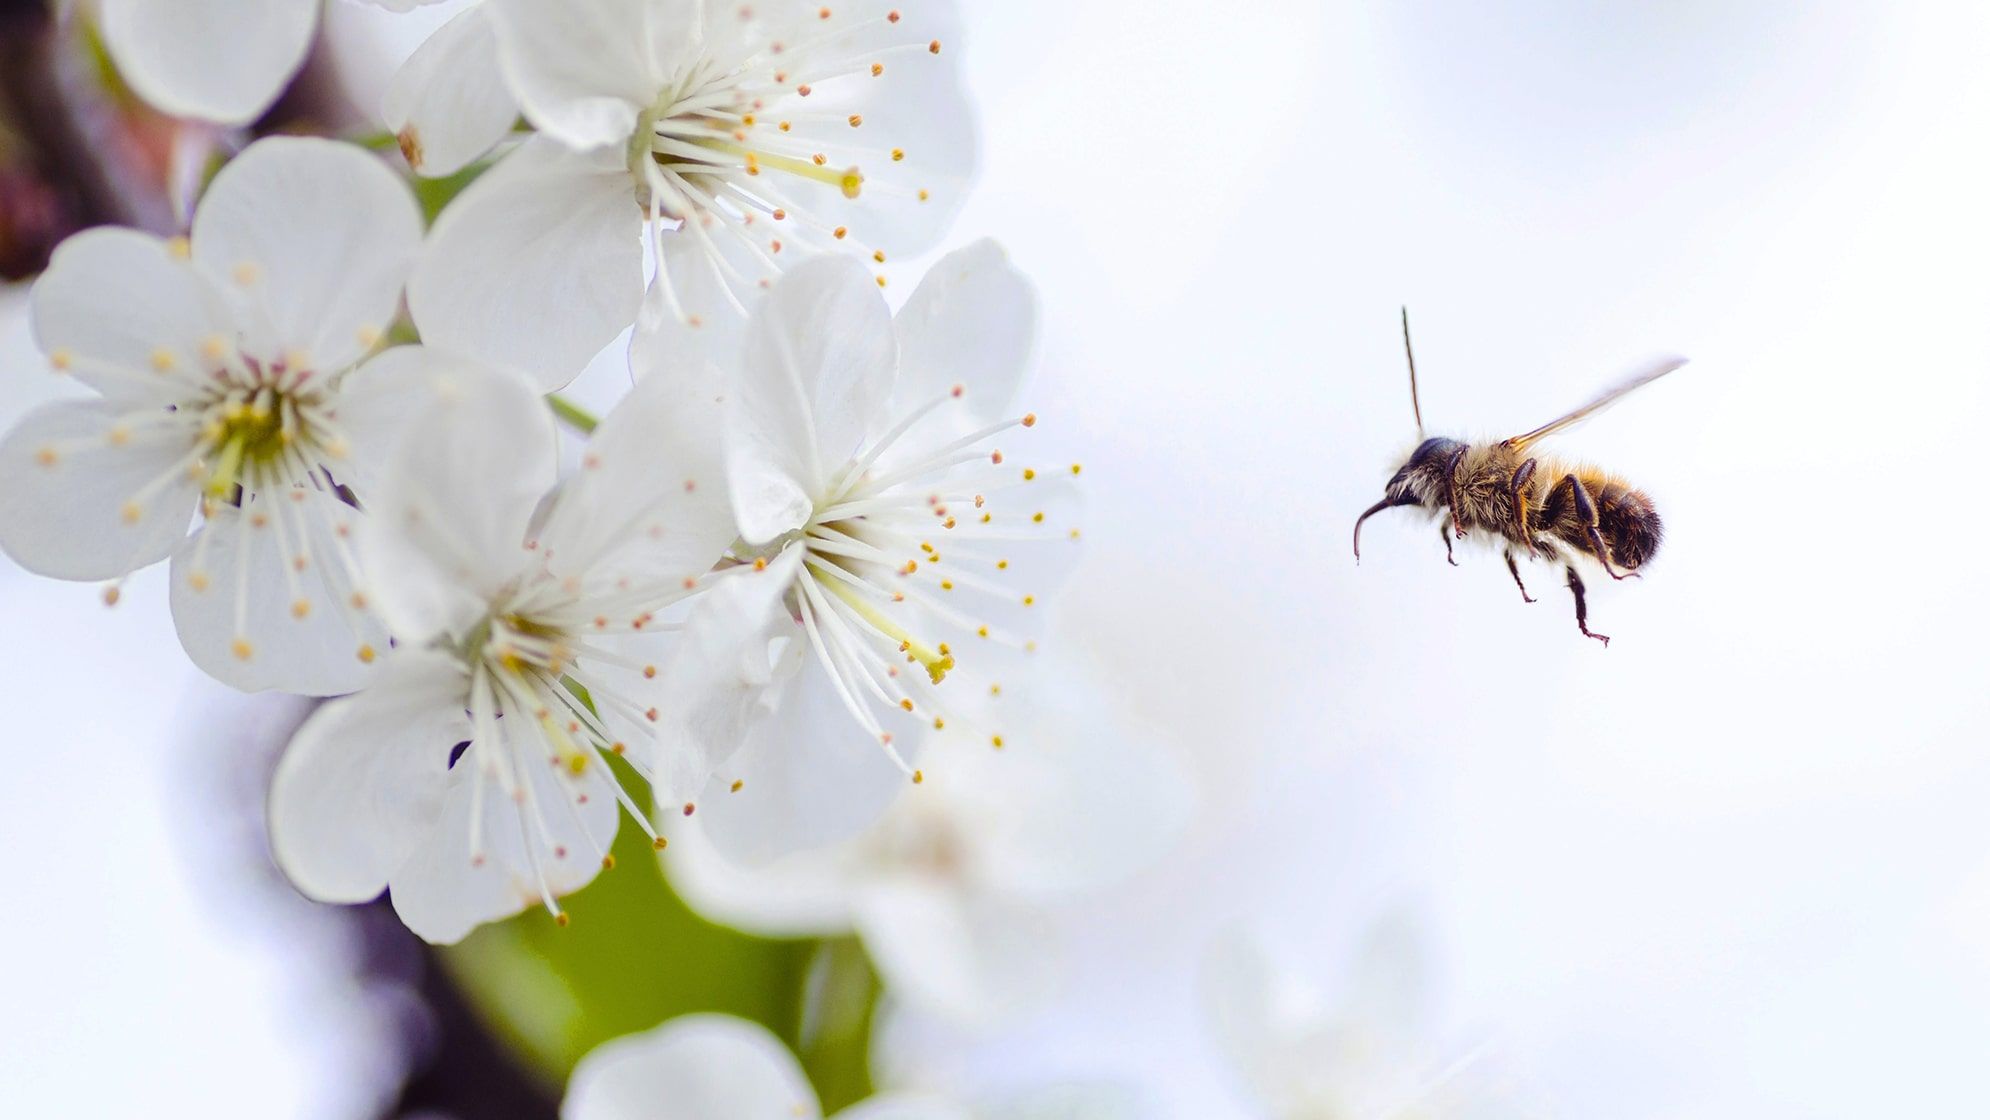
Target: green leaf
point(632, 956)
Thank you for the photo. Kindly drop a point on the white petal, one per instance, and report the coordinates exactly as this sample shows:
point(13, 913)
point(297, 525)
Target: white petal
point(973, 323)
point(403, 5)
point(361, 783)
point(649, 504)
point(312, 649)
point(694, 1067)
point(908, 1106)
point(716, 688)
point(70, 498)
point(1075, 801)
point(448, 517)
point(805, 894)
point(809, 775)
point(1239, 988)
point(218, 60)
point(317, 236)
point(398, 389)
point(690, 315)
point(448, 103)
point(538, 264)
point(122, 306)
point(816, 372)
point(969, 959)
point(585, 69)
point(443, 892)
point(915, 106)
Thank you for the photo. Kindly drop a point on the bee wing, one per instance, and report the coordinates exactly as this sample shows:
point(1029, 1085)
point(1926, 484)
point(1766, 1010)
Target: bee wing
point(1616, 393)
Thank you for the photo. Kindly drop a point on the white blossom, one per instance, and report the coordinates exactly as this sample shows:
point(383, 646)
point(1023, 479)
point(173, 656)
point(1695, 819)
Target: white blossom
point(702, 1067)
point(1369, 1052)
point(529, 628)
point(223, 368)
point(741, 136)
point(907, 551)
point(955, 890)
point(449, 102)
point(223, 61)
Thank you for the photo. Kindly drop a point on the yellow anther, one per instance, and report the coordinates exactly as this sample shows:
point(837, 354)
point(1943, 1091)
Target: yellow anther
point(918, 776)
point(366, 655)
point(198, 580)
point(561, 919)
point(112, 595)
point(179, 248)
point(61, 359)
point(997, 740)
point(1029, 474)
point(301, 609)
point(898, 155)
point(130, 513)
point(47, 456)
point(608, 863)
point(877, 68)
point(856, 120)
point(924, 194)
point(1037, 517)
point(906, 704)
point(213, 347)
point(577, 763)
point(246, 272)
point(738, 784)
point(162, 359)
point(1076, 467)
point(242, 649)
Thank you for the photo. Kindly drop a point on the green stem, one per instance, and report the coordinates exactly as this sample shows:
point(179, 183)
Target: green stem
point(576, 417)
point(839, 1002)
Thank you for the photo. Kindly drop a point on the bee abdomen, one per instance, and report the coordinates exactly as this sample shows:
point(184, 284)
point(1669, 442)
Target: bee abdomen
point(1629, 524)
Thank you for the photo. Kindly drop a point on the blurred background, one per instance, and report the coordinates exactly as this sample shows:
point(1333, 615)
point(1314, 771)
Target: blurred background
point(1733, 865)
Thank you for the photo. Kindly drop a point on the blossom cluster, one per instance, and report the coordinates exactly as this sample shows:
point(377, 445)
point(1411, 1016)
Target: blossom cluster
point(800, 550)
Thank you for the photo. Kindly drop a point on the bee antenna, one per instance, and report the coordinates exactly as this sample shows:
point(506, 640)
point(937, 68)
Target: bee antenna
point(1415, 405)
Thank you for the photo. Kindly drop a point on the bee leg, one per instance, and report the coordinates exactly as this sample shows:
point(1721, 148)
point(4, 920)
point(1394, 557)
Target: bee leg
point(1582, 607)
point(1518, 489)
point(1451, 489)
point(1585, 508)
point(1515, 569)
point(1444, 534)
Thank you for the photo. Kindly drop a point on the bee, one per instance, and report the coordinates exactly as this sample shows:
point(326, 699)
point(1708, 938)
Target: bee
point(1553, 510)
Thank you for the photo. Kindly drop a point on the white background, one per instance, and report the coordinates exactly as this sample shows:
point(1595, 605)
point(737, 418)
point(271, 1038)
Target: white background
point(1734, 865)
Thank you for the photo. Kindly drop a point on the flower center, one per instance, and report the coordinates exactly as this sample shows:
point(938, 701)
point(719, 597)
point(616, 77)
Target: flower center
point(905, 544)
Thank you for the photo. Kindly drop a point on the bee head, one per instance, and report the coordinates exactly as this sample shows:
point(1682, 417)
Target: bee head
point(1422, 477)
point(1420, 481)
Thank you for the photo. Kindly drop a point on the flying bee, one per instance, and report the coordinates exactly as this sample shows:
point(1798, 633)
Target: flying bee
point(1552, 510)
